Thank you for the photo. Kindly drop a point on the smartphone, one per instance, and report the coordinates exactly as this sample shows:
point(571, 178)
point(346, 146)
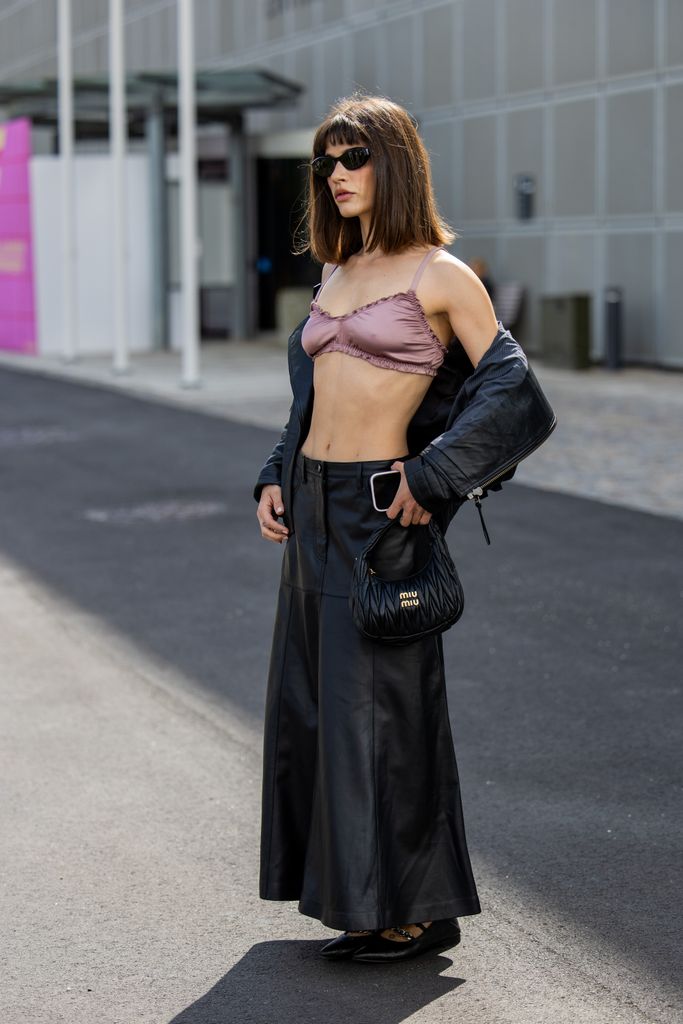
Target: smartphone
point(383, 487)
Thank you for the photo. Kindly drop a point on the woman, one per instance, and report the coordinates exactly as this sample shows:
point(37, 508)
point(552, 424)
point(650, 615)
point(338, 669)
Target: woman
point(361, 818)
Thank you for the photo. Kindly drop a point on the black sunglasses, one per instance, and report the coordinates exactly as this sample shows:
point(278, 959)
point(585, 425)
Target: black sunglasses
point(351, 159)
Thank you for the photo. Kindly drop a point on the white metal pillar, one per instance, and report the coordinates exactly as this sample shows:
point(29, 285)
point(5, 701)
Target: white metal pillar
point(66, 149)
point(189, 240)
point(117, 144)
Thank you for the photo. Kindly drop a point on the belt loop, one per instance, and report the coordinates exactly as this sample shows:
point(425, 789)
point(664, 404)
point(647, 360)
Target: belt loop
point(359, 476)
point(303, 467)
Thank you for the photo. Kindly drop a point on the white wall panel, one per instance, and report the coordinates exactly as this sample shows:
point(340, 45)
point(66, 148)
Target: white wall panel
point(94, 232)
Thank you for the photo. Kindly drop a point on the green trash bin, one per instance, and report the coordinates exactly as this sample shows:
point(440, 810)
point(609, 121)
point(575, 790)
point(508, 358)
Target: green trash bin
point(566, 331)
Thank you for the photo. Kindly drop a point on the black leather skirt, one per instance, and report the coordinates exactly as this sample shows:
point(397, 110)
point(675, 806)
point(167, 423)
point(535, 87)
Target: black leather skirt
point(361, 816)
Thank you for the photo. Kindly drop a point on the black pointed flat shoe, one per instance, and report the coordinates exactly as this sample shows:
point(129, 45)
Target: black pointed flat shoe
point(438, 935)
point(345, 945)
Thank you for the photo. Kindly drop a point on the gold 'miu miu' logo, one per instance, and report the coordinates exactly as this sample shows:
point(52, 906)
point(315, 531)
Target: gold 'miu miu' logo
point(409, 598)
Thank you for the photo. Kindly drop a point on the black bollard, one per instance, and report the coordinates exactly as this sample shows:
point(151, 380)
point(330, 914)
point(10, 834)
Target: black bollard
point(613, 322)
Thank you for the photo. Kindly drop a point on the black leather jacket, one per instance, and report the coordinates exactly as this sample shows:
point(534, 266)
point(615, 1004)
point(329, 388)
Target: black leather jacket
point(472, 428)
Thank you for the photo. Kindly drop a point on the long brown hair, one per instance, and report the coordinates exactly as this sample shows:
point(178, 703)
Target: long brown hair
point(405, 212)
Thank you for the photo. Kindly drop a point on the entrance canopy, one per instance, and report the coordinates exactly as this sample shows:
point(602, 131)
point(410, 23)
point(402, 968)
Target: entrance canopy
point(222, 95)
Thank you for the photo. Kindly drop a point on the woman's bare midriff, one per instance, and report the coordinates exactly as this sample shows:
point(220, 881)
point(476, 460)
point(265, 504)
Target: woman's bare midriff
point(361, 412)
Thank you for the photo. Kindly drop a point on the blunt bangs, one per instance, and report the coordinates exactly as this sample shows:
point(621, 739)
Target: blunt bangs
point(341, 131)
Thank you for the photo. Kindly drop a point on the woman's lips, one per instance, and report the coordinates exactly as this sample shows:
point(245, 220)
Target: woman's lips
point(341, 196)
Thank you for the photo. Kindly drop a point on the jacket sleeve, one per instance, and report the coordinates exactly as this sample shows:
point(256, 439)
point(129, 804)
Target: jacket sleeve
point(300, 379)
point(271, 471)
point(499, 416)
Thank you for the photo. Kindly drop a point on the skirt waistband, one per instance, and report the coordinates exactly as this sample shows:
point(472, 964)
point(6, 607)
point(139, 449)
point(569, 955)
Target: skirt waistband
point(325, 468)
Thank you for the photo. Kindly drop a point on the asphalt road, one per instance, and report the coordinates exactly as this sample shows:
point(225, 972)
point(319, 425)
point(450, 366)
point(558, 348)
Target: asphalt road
point(564, 691)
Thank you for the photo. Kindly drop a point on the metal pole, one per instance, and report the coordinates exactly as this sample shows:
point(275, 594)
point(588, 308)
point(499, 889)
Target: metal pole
point(156, 153)
point(240, 306)
point(613, 307)
point(189, 241)
point(66, 150)
point(117, 135)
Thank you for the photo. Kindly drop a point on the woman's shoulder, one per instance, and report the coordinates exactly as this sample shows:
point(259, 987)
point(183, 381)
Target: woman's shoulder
point(449, 264)
point(451, 287)
point(453, 275)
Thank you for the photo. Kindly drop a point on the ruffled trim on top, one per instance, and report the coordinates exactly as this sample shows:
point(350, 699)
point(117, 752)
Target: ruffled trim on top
point(358, 309)
point(428, 327)
point(411, 294)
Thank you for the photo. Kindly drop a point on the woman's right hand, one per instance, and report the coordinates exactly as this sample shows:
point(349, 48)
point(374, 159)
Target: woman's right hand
point(269, 506)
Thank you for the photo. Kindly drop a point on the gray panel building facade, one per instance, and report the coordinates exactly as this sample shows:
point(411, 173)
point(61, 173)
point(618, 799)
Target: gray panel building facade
point(583, 96)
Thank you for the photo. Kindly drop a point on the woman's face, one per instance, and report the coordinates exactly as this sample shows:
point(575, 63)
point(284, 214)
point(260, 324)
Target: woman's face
point(352, 191)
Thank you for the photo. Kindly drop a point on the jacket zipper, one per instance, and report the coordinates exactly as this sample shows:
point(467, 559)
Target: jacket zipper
point(477, 492)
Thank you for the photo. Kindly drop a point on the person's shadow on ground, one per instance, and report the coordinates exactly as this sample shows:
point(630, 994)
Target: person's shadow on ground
point(287, 982)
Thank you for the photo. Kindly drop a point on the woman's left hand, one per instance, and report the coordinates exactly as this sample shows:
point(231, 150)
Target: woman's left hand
point(404, 503)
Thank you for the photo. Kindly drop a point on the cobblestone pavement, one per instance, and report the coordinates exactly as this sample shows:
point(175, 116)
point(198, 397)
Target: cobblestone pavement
point(618, 436)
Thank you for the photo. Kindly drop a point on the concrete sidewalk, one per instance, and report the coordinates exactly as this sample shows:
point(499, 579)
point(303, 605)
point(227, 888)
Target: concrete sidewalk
point(130, 808)
point(617, 438)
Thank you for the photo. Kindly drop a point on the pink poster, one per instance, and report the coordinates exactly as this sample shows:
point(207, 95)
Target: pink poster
point(17, 311)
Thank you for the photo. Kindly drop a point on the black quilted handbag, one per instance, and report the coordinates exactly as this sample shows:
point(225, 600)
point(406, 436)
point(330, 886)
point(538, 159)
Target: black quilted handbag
point(404, 584)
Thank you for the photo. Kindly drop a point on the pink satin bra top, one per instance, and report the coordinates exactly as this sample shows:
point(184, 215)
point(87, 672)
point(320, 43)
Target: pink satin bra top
point(392, 332)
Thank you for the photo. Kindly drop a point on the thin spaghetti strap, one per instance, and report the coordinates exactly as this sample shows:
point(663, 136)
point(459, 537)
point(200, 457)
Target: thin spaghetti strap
point(420, 270)
point(336, 266)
